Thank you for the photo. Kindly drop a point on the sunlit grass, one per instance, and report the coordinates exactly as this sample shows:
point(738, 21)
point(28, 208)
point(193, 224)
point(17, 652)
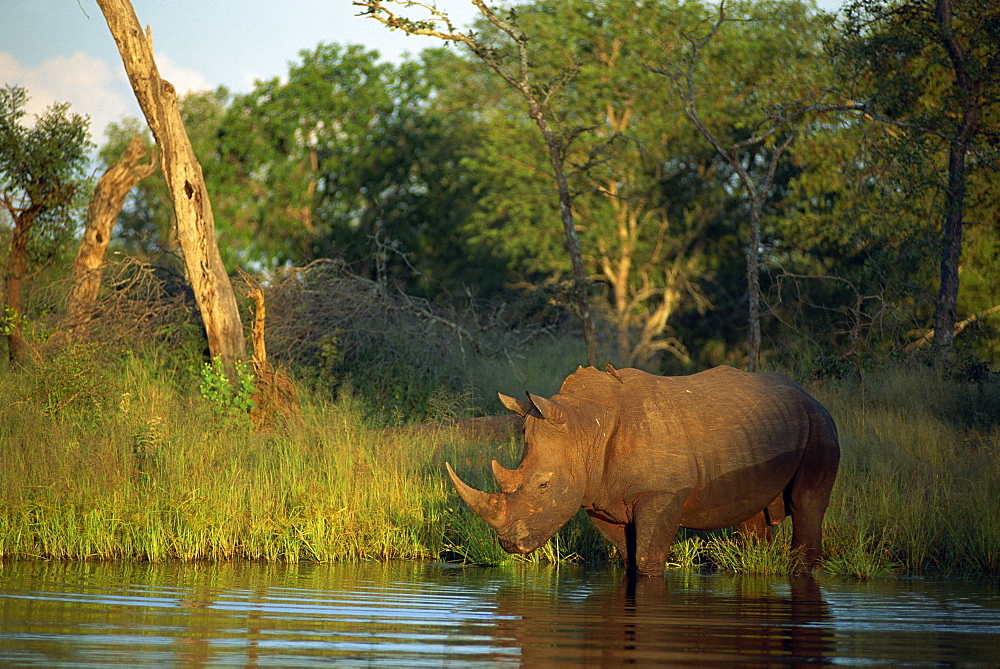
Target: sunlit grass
point(917, 489)
point(142, 469)
point(157, 479)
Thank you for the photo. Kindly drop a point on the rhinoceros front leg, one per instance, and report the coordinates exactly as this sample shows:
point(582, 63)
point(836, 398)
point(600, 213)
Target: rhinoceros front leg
point(656, 517)
point(615, 533)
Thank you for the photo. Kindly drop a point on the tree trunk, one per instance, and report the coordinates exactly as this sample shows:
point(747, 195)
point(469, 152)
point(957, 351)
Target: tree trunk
point(580, 283)
point(951, 255)
point(105, 205)
point(954, 201)
point(16, 268)
point(753, 282)
point(195, 223)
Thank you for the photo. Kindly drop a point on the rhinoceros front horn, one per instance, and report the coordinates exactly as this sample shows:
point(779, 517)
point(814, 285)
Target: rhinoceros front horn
point(491, 508)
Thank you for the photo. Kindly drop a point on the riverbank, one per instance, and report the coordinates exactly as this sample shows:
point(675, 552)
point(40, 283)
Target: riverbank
point(134, 465)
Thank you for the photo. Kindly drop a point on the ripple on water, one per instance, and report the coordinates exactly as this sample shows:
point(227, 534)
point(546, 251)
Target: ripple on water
point(84, 614)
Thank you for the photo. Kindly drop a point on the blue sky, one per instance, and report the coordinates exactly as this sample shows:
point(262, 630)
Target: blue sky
point(62, 50)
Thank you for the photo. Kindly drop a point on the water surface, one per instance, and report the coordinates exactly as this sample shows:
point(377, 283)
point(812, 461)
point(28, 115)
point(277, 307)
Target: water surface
point(409, 614)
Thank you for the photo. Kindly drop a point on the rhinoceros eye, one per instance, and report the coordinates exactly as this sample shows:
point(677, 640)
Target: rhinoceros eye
point(542, 482)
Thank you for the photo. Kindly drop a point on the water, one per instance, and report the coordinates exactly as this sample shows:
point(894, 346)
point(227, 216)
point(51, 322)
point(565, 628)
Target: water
point(213, 615)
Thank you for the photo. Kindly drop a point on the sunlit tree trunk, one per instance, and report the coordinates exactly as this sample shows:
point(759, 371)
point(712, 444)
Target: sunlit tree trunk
point(105, 205)
point(195, 223)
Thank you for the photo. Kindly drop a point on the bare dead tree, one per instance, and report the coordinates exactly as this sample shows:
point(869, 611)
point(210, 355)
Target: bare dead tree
point(195, 222)
point(857, 322)
point(105, 205)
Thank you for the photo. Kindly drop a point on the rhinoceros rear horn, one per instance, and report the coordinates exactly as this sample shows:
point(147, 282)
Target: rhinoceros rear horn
point(491, 508)
point(509, 480)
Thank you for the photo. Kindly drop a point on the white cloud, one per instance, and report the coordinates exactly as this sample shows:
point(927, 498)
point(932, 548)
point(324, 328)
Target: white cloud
point(89, 84)
point(183, 79)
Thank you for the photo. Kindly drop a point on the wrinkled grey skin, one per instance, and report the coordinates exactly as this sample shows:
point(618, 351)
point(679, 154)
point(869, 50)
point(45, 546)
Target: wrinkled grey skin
point(645, 454)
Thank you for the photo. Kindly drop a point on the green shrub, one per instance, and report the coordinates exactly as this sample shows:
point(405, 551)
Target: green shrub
point(231, 402)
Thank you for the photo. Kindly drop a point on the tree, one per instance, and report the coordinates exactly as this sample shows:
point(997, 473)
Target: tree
point(768, 97)
point(195, 223)
point(343, 157)
point(510, 58)
point(145, 225)
point(102, 212)
point(42, 171)
point(644, 237)
point(931, 68)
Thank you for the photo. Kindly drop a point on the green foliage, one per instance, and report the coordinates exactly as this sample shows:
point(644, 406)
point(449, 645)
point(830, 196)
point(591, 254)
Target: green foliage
point(434, 179)
point(73, 379)
point(43, 171)
point(11, 320)
point(34, 330)
point(69, 383)
point(378, 186)
point(231, 402)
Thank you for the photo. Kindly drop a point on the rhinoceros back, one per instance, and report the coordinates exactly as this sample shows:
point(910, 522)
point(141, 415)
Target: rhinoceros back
point(705, 433)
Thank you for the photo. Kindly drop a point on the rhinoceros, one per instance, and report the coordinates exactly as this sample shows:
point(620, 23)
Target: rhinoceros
point(646, 454)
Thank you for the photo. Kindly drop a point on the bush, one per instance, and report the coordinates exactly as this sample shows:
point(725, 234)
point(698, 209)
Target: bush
point(331, 327)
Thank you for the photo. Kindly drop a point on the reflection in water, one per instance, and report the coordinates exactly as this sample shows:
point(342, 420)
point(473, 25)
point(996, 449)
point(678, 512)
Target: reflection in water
point(85, 614)
point(684, 619)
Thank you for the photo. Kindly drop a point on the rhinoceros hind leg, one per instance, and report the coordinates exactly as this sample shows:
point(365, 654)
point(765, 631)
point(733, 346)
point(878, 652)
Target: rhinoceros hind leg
point(759, 526)
point(756, 528)
point(809, 496)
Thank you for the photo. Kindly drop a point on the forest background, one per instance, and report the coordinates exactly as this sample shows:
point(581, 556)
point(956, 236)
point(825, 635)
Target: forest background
point(402, 219)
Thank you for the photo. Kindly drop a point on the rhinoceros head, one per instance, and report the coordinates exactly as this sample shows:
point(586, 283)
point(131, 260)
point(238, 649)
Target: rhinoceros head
point(545, 490)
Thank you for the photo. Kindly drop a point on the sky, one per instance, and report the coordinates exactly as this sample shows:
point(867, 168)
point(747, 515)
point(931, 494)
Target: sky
point(62, 50)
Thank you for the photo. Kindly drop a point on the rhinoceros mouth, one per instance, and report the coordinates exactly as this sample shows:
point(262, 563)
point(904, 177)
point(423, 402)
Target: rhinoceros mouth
point(516, 548)
point(517, 538)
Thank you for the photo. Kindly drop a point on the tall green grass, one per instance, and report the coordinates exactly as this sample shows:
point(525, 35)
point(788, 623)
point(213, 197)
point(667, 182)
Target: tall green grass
point(919, 484)
point(151, 473)
point(123, 459)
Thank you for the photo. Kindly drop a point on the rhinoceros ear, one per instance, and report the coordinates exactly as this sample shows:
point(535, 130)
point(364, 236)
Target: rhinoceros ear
point(548, 409)
point(520, 407)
